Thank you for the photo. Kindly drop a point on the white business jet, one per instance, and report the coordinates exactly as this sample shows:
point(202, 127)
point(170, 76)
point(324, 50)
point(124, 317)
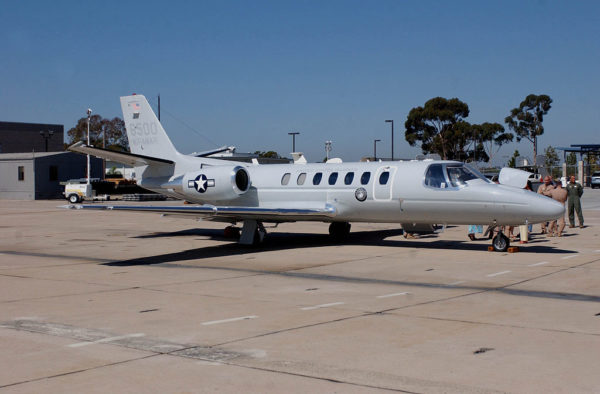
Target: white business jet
point(412, 193)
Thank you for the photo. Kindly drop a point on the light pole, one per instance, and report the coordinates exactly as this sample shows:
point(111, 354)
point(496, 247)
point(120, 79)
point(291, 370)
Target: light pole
point(392, 122)
point(375, 149)
point(294, 134)
point(327, 148)
point(89, 113)
point(46, 135)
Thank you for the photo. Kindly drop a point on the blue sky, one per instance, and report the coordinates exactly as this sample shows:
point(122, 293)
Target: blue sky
point(246, 73)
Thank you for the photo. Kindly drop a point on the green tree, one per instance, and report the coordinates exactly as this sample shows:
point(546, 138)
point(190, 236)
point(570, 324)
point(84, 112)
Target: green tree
point(435, 126)
point(112, 129)
point(571, 159)
point(526, 120)
point(490, 136)
point(552, 159)
point(269, 154)
point(512, 162)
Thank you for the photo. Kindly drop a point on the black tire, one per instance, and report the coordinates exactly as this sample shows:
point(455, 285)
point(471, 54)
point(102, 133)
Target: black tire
point(339, 230)
point(500, 243)
point(73, 198)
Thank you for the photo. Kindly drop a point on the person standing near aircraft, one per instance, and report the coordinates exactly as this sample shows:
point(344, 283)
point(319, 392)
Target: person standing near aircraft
point(546, 190)
point(559, 194)
point(575, 191)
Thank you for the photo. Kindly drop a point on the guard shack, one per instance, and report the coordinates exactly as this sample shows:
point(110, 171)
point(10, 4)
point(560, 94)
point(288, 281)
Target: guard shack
point(584, 167)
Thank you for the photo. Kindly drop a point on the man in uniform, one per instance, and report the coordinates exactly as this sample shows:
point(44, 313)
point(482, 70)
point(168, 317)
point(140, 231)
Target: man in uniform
point(546, 190)
point(559, 194)
point(574, 191)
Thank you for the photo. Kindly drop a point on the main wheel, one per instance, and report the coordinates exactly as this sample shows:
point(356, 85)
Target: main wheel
point(339, 230)
point(500, 243)
point(73, 198)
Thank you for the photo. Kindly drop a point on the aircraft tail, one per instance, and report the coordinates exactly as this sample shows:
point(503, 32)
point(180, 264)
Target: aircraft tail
point(145, 133)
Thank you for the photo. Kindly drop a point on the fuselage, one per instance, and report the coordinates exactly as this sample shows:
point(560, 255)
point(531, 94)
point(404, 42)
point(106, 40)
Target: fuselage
point(436, 192)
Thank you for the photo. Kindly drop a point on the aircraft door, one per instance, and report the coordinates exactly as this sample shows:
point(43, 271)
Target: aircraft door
point(383, 183)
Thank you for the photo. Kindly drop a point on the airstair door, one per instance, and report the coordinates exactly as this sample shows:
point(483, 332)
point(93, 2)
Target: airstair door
point(383, 183)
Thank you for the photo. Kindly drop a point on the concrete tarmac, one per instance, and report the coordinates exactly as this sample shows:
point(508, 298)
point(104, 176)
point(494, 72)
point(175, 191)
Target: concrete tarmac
point(135, 302)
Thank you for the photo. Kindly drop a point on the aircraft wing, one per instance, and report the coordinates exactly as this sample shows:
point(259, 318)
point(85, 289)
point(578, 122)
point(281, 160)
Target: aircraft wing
point(120, 157)
point(222, 213)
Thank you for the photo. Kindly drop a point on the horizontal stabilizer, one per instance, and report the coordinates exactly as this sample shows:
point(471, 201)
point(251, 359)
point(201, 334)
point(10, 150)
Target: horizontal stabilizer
point(212, 212)
point(120, 157)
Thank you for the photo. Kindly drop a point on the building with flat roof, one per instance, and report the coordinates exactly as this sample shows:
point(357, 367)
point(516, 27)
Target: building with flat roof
point(17, 137)
point(37, 175)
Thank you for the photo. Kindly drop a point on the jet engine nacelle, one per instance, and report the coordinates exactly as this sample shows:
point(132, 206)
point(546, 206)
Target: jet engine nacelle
point(216, 183)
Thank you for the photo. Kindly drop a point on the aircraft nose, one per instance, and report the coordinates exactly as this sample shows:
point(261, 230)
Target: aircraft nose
point(544, 209)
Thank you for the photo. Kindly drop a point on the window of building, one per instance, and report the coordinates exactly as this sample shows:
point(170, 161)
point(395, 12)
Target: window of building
point(435, 176)
point(285, 179)
point(317, 178)
point(333, 178)
point(21, 173)
point(301, 178)
point(53, 173)
point(365, 177)
point(383, 178)
point(349, 178)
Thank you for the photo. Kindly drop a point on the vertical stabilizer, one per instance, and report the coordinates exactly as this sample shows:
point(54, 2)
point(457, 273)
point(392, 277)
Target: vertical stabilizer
point(145, 133)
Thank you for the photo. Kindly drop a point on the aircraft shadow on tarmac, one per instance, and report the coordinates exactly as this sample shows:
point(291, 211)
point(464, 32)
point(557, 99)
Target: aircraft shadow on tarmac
point(288, 241)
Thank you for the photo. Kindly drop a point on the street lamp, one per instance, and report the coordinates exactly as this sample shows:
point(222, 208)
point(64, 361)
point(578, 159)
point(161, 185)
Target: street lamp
point(89, 113)
point(375, 149)
point(46, 135)
point(327, 148)
point(293, 134)
point(392, 122)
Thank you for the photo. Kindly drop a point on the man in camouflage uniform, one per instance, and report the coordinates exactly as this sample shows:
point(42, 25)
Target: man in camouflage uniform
point(546, 190)
point(574, 191)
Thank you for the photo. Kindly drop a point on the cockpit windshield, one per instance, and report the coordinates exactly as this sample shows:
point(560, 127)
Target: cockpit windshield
point(451, 175)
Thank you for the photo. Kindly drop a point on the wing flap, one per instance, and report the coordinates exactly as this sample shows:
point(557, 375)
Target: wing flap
point(131, 159)
point(211, 212)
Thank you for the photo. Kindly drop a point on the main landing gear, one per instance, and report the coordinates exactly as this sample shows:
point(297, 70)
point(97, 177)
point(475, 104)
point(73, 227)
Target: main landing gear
point(253, 232)
point(339, 230)
point(500, 242)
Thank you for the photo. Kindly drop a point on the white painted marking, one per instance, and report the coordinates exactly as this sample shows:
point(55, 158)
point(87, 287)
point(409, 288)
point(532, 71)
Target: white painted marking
point(104, 340)
point(498, 273)
point(597, 250)
point(458, 282)
point(536, 264)
point(310, 308)
point(568, 257)
point(392, 295)
point(209, 323)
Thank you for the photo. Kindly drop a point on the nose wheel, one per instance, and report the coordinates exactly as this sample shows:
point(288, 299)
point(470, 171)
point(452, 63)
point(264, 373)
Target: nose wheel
point(500, 243)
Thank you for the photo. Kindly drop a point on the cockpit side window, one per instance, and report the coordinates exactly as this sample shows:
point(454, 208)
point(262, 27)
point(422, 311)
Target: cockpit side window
point(435, 176)
point(459, 176)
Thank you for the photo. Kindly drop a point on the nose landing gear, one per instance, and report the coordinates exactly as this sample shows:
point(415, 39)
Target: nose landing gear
point(500, 243)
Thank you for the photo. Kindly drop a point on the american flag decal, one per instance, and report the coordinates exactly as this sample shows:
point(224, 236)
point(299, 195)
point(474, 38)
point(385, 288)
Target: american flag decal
point(135, 106)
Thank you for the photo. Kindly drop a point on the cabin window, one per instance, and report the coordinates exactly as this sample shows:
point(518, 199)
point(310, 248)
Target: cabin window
point(301, 178)
point(53, 173)
point(333, 178)
point(286, 178)
point(435, 176)
point(21, 173)
point(349, 178)
point(317, 178)
point(365, 177)
point(384, 177)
